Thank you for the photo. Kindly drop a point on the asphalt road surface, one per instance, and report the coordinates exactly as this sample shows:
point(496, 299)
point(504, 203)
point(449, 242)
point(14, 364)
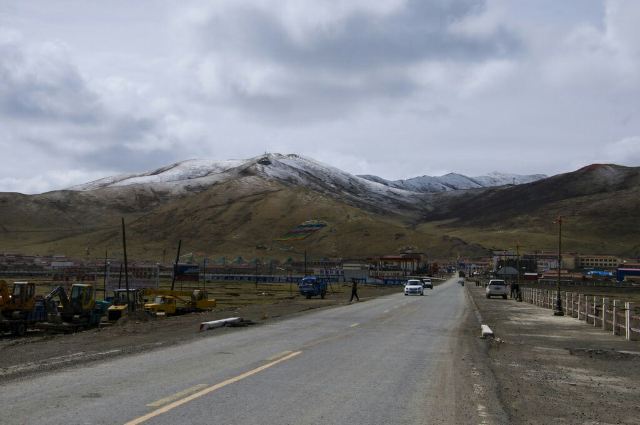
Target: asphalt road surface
point(391, 360)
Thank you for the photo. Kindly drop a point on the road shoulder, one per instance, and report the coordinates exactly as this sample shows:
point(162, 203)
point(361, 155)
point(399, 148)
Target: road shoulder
point(558, 369)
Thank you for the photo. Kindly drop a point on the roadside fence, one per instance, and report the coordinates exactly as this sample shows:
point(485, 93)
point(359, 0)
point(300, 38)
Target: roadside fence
point(615, 316)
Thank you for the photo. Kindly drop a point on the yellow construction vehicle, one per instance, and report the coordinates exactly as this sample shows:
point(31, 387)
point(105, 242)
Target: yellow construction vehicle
point(170, 302)
point(4, 293)
point(21, 308)
point(22, 297)
point(120, 306)
point(77, 311)
point(162, 305)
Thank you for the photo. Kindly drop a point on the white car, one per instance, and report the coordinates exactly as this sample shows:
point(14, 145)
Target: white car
point(497, 287)
point(414, 287)
point(426, 283)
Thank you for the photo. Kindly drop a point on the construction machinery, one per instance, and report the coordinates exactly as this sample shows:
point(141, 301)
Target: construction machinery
point(78, 310)
point(168, 302)
point(4, 293)
point(21, 308)
point(120, 306)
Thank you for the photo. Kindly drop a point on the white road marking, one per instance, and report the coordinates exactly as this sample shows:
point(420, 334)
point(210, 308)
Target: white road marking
point(354, 325)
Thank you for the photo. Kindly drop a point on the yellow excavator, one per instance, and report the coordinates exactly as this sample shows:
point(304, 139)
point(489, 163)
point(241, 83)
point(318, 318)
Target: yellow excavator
point(168, 302)
point(78, 310)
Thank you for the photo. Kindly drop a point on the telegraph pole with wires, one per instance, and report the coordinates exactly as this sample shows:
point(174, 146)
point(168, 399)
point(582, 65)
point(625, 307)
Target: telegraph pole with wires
point(130, 306)
point(557, 309)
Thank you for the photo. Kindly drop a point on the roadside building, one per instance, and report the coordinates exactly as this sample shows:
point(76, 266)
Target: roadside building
point(356, 269)
point(396, 265)
point(601, 262)
point(548, 260)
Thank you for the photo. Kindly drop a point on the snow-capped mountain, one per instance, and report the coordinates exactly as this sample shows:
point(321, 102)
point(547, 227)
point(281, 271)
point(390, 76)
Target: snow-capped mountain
point(289, 170)
point(454, 181)
point(296, 169)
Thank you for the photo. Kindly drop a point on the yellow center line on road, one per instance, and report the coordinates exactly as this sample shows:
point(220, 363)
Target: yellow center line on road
point(209, 390)
point(279, 355)
point(177, 395)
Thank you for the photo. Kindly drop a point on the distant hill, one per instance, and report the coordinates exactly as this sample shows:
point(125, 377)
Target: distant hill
point(453, 181)
point(245, 207)
point(600, 204)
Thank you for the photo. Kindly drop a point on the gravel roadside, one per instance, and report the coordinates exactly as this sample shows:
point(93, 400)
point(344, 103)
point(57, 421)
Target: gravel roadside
point(558, 369)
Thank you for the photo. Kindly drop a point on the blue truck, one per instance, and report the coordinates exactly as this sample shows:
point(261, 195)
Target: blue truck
point(310, 286)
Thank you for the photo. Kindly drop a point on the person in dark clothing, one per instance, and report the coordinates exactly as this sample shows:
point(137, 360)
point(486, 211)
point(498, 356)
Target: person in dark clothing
point(354, 290)
point(515, 291)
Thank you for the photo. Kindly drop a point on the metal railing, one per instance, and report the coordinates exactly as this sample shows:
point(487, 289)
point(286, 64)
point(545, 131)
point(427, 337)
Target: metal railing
point(616, 316)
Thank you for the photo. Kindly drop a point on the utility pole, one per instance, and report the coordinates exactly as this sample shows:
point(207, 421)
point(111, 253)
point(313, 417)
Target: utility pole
point(557, 310)
point(256, 274)
point(305, 262)
point(106, 272)
point(518, 263)
point(126, 267)
point(175, 266)
point(204, 272)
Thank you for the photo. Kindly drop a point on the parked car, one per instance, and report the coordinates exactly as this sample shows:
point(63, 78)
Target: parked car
point(426, 283)
point(414, 287)
point(497, 287)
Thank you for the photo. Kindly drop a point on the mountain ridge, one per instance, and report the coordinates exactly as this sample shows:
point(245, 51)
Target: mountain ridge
point(202, 172)
point(456, 181)
point(245, 208)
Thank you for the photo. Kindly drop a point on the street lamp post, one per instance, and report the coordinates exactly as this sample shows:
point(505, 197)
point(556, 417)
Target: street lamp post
point(557, 310)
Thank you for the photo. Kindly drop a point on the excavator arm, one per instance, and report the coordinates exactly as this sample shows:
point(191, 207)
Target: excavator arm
point(62, 296)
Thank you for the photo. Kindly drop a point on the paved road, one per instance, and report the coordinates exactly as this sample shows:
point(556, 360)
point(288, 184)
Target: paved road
point(391, 360)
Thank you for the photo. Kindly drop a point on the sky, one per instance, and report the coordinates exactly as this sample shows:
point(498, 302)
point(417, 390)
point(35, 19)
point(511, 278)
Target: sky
point(394, 88)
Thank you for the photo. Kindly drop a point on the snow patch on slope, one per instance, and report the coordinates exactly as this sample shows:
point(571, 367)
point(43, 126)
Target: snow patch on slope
point(454, 181)
point(179, 172)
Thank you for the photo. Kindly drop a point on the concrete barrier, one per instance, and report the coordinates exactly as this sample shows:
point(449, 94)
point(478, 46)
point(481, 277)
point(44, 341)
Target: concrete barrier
point(486, 331)
point(220, 323)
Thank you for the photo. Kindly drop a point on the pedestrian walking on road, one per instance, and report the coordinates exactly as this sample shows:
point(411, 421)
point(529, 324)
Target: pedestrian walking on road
point(515, 291)
point(354, 290)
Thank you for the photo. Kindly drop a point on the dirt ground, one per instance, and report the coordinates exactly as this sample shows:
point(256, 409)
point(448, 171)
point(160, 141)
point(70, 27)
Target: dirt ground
point(558, 369)
point(40, 352)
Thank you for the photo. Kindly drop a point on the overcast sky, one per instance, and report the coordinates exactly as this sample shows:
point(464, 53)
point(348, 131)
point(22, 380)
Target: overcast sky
point(396, 88)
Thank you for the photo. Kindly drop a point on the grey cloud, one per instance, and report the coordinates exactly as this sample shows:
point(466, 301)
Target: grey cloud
point(49, 109)
point(43, 87)
point(415, 32)
point(314, 78)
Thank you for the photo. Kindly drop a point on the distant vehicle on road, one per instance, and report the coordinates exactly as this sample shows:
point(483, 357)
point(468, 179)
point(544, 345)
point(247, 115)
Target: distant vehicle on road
point(414, 287)
point(426, 283)
point(497, 287)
